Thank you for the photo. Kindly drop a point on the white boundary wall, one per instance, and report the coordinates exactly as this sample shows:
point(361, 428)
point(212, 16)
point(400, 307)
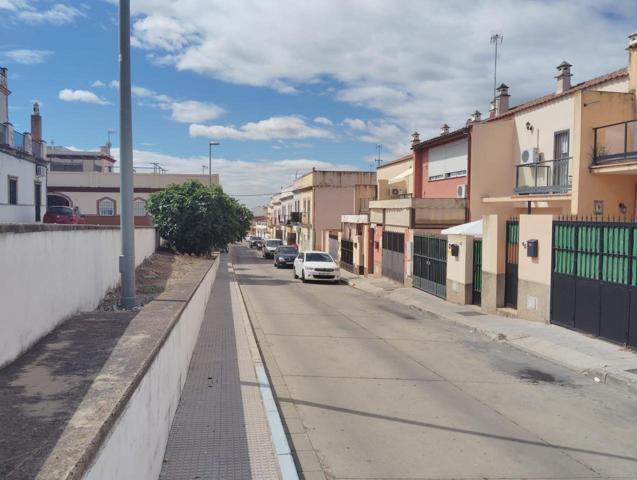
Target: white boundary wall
point(50, 274)
point(136, 444)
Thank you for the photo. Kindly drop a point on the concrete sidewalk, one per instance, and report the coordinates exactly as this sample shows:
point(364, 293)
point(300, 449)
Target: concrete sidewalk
point(602, 361)
point(222, 428)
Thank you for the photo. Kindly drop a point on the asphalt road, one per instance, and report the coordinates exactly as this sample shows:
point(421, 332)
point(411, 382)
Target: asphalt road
point(374, 390)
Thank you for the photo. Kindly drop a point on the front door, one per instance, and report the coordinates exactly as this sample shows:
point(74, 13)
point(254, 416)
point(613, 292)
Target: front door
point(370, 252)
point(476, 297)
point(38, 201)
point(511, 266)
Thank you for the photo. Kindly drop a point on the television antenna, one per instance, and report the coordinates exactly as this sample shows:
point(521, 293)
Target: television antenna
point(495, 39)
point(379, 147)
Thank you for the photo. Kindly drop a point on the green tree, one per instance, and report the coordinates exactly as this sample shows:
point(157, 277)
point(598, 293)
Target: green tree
point(195, 219)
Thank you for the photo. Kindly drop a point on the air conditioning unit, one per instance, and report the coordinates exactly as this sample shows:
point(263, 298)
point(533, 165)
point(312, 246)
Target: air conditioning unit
point(530, 155)
point(461, 191)
point(397, 192)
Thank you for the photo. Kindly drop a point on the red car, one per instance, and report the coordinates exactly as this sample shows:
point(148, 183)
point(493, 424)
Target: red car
point(67, 215)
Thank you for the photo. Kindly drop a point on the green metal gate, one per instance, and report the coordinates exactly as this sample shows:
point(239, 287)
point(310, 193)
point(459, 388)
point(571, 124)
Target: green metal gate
point(594, 280)
point(477, 272)
point(511, 266)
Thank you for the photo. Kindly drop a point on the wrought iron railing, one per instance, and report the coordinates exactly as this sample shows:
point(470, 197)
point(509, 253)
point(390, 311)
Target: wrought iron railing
point(614, 142)
point(295, 217)
point(18, 141)
point(551, 176)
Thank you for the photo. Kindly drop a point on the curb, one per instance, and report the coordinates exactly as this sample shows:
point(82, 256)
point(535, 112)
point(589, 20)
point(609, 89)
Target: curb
point(604, 376)
point(287, 467)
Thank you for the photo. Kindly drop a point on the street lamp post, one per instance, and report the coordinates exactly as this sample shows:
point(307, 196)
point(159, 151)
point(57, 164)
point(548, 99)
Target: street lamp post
point(127, 258)
point(210, 163)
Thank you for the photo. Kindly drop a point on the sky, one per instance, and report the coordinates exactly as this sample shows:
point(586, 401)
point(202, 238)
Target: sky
point(286, 85)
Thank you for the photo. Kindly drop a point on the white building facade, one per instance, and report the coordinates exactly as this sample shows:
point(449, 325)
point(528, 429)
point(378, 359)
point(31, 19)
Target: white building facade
point(23, 168)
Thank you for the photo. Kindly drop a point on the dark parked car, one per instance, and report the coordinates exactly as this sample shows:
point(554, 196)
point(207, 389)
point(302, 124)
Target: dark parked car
point(66, 215)
point(285, 256)
point(254, 241)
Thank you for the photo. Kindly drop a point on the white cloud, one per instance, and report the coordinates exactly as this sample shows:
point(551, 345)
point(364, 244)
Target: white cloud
point(192, 111)
point(285, 127)
point(237, 176)
point(422, 65)
point(183, 111)
point(355, 123)
point(27, 56)
point(58, 14)
point(323, 121)
point(98, 84)
point(12, 5)
point(84, 96)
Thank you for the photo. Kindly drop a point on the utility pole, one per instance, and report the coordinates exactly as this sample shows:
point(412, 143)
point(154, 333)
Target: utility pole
point(128, 298)
point(495, 39)
point(379, 147)
point(211, 144)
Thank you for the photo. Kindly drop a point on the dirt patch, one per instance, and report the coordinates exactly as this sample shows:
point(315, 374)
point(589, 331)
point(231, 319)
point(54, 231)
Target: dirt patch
point(152, 277)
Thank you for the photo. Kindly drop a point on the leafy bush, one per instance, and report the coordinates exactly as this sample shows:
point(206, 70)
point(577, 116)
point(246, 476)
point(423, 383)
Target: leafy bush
point(195, 219)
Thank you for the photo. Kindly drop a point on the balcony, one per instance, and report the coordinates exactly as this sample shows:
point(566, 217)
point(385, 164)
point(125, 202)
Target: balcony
point(551, 176)
point(418, 212)
point(615, 143)
point(295, 217)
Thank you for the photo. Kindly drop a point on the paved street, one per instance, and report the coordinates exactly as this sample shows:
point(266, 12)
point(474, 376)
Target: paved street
point(370, 389)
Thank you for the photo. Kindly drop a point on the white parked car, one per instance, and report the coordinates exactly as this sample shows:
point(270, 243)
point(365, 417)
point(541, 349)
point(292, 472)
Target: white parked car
point(316, 266)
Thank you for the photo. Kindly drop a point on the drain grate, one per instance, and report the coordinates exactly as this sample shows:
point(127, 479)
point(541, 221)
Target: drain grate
point(470, 314)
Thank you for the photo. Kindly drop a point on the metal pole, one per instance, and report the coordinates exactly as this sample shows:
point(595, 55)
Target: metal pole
point(210, 145)
point(127, 258)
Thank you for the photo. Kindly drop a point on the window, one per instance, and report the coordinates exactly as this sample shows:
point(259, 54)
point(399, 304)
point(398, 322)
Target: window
point(449, 160)
point(561, 145)
point(106, 207)
point(139, 207)
point(13, 191)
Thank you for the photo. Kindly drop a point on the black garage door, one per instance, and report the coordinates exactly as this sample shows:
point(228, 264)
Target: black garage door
point(430, 265)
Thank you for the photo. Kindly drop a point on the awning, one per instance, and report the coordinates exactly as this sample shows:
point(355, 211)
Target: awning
point(472, 229)
point(354, 218)
point(401, 176)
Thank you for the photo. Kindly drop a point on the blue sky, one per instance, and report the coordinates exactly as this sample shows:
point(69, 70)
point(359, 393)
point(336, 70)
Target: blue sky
point(287, 85)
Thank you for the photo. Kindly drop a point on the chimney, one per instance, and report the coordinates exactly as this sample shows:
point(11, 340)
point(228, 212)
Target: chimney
point(444, 130)
point(415, 139)
point(492, 109)
point(106, 149)
point(36, 123)
point(4, 96)
point(563, 77)
point(502, 100)
point(476, 116)
point(632, 62)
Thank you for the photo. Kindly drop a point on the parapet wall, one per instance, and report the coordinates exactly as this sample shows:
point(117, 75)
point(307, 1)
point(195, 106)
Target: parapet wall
point(49, 272)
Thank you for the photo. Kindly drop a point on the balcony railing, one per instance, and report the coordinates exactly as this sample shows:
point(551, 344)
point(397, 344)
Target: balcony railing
point(551, 176)
point(295, 217)
point(18, 141)
point(615, 142)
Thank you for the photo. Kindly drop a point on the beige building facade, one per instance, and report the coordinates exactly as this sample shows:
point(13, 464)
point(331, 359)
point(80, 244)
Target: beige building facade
point(97, 196)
